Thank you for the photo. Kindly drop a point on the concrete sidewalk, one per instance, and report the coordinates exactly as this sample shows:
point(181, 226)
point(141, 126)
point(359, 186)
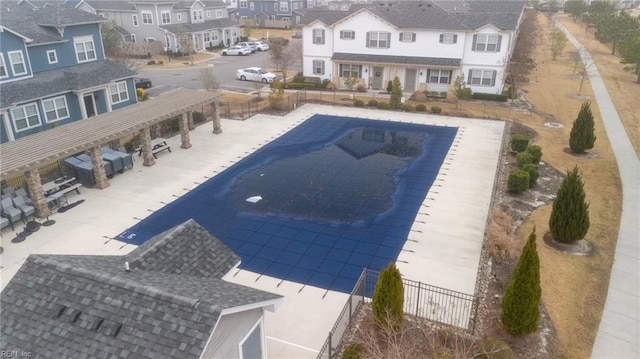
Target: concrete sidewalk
point(619, 331)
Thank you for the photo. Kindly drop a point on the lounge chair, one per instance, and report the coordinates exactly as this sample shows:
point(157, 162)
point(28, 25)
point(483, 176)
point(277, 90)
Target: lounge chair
point(26, 210)
point(9, 191)
point(22, 193)
point(9, 211)
point(5, 222)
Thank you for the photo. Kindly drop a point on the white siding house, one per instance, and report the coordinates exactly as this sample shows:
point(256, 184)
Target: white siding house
point(427, 44)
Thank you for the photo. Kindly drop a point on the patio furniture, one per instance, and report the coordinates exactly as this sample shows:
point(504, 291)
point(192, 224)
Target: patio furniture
point(69, 165)
point(9, 191)
point(26, 210)
point(127, 159)
point(23, 193)
point(114, 160)
point(9, 211)
point(157, 145)
point(5, 222)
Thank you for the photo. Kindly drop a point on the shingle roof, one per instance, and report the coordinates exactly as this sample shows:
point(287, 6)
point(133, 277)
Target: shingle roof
point(72, 78)
point(111, 5)
point(389, 59)
point(440, 15)
point(128, 5)
point(90, 307)
point(38, 24)
point(201, 26)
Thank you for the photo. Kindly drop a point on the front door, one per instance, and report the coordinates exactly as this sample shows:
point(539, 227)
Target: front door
point(410, 80)
point(89, 105)
point(378, 73)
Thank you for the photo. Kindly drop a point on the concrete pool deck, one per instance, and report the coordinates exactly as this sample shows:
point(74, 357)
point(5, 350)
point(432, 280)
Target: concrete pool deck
point(443, 247)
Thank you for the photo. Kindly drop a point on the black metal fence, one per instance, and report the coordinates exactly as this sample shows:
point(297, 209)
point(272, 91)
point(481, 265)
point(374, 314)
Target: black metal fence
point(432, 303)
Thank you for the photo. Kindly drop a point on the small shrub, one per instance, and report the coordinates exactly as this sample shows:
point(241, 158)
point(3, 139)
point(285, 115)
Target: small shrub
point(361, 88)
point(489, 97)
point(443, 353)
point(358, 103)
point(418, 96)
point(500, 246)
point(389, 86)
point(407, 107)
point(129, 146)
point(373, 103)
point(512, 92)
point(536, 153)
point(442, 94)
point(299, 77)
point(388, 298)
point(534, 173)
point(383, 105)
point(421, 107)
point(494, 349)
point(300, 85)
point(518, 181)
point(151, 62)
point(197, 117)
point(325, 83)
point(524, 158)
point(432, 93)
point(436, 109)
point(160, 62)
point(519, 142)
point(140, 93)
point(352, 351)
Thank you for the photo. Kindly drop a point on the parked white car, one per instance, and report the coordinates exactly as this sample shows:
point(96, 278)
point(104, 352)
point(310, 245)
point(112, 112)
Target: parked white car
point(255, 74)
point(236, 51)
point(249, 45)
point(261, 45)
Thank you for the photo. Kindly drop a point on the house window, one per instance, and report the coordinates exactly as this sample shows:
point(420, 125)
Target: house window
point(285, 19)
point(3, 68)
point(318, 36)
point(85, 51)
point(118, 92)
point(55, 109)
point(439, 76)
point(215, 36)
point(25, 117)
point(378, 39)
point(448, 38)
point(251, 345)
point(207, 37)
point(251, 5)
point(347, 34)
point(243, 4)
point(407, 37)
point(52, 57)
point(275, 6)
point(219, 14)
point(194, 16)
point(208, 13)
point(133, 38)
point(179, 17)
point(147, 18)
point(17, 63)
point(166, 17)
point(199, 14)
point(486, 43)
point(318, 67)
point(134, 19)
point(284, 6)
point(481, 77)
point(348, 70)
point(295, 5)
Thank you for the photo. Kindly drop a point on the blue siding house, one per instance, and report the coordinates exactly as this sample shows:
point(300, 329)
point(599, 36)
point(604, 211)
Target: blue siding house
point(53, 70)
point(260, 10)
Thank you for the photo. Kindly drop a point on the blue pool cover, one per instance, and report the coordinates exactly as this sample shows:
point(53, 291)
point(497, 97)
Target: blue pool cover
point(317, 205)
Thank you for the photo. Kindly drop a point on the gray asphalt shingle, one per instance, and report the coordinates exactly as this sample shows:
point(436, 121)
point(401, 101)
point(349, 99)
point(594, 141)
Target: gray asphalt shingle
point(391, 59)
point(90, 306)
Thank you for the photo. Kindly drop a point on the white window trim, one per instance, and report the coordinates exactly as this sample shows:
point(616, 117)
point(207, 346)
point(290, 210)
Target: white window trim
point(133, 38)
point(134, 20)
point(83, 40)
point(262, 337)
point(251, 6)
point(351, 32)
point(378, 33)
point(215, 36)
point(440, 71)
point(162, 13)
point(53, 100)
point(55, 56)
point(284, 6)
point(407, 36)
point(208, 13)
point(219, 14)
point(24, 64)
point(206, 36)
point(321, 38)
point(243, 2)
point(482, 77)
point(487, 43)
point(143, 13)
point(4, 65)
point(117, 85)
point(314, 67)
point(13, 117)
point(451, 36)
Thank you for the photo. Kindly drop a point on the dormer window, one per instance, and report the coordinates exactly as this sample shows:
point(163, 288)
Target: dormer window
point(147, 18)
point(17, 63)
point(52, 57)
point(486, 43)
point(318, 36)
point(85, 50)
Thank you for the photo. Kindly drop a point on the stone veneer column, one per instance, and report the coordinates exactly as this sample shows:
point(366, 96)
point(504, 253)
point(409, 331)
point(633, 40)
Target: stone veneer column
point(184, 131)
point(217, 127)
point(192, 126)
point(147, 156)
point(34, 184)
point(98, 168)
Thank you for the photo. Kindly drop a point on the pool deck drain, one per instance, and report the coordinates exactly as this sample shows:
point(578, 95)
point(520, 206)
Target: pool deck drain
point(443, 246)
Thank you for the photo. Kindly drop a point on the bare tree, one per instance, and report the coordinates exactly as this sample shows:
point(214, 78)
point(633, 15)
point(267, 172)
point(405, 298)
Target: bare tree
point(116, 49)
point(209, 80)
point(285, 56)
point(186, 42)
point(522, 60)
point(258, 87)
point(587, 62)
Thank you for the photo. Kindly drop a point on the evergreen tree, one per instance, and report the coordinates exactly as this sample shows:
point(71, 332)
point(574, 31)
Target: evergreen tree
point(630, 52)
point(569, 220)
point(582, 135)
point(388, 298)
point(520, 311)
point(396, 94)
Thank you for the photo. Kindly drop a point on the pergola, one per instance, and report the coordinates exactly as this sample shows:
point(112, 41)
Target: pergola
point(27, 154)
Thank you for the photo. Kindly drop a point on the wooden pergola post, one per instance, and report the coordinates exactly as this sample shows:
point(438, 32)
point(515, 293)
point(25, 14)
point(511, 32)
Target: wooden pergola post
point(98, 168)
point(184, 130)
point(34, 185)
point(147, 155)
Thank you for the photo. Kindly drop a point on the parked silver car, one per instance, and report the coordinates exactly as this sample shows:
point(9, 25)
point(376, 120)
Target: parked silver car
point(261, 45)
point(250, 45)
point(255, 74)
point(237, 51)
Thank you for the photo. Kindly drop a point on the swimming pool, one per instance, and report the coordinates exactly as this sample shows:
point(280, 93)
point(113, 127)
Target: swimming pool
point(315, 206)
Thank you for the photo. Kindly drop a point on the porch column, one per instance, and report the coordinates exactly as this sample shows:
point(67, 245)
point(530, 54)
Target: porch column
point(98, 168)
point(215, 107)
point(34, 184)
point(184, 131)
point(7, 125)
point(157, 131)
point(83, 109)
point(192, 125)
point(147, 156)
